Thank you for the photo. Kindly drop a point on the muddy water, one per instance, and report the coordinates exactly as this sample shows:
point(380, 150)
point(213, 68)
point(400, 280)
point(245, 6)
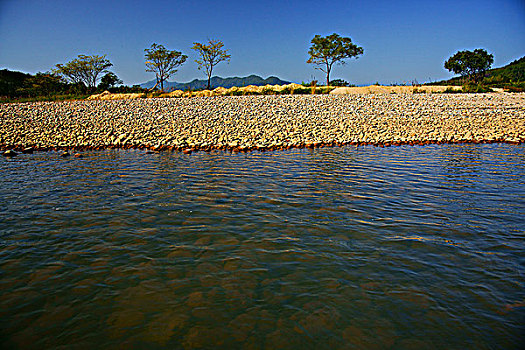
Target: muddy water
point(335, 248)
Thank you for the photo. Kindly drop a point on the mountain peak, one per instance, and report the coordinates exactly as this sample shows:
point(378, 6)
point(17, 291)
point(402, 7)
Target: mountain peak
point(216, 81)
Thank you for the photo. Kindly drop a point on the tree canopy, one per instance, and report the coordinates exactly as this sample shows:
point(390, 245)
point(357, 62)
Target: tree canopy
point(163, 62)
point(211, 54)
point(329, 50)
point(109, 80)
point(471, 64)
point(84, 69)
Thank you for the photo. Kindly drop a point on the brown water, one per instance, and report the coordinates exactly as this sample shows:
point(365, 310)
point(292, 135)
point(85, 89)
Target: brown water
point(335, 248)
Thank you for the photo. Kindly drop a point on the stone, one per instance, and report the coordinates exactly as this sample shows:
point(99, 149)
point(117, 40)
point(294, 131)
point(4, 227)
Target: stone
point(9, 153)
point(271, 122)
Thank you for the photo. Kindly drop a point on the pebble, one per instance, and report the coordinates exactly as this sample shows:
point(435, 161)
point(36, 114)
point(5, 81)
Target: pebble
point(9, 153)
point(270, 122)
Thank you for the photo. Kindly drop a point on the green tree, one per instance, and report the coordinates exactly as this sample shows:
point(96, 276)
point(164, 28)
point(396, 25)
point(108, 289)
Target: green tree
point(84, 69)
point(45, 84)
point(163, 62)
point(471, 64)
point(339, 82)
point(211, 54)
point(332, 49)
point(109, 80)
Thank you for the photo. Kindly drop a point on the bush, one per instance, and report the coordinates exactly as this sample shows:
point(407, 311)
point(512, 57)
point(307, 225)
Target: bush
point(514, 88)
point(302, 91)
point(339, 82)
point(475, 88)
point(451, 90)
point(469, 88)
point(51, 98)
point(285, 91)
point(324, 90)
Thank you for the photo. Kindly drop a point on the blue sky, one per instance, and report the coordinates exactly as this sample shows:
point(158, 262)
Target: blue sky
point(402, 40)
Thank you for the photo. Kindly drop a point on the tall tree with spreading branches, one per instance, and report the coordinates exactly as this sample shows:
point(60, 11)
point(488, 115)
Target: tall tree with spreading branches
point(329, 50)
point(471, 64)
point(211, 54)
point(83, 69)
point(163, 62)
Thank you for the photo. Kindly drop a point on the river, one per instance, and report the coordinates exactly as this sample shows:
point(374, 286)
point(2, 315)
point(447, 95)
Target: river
point(333, 248)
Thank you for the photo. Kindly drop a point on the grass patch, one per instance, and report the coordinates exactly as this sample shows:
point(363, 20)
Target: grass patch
point(53, 98)
point(302, 91)
point(469, 89)
point(475, 88)
point(512, 88)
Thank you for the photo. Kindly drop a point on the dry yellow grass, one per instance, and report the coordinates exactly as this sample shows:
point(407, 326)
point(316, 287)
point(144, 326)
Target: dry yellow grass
point(106, 95)
point(379, 89)
point(258, 90)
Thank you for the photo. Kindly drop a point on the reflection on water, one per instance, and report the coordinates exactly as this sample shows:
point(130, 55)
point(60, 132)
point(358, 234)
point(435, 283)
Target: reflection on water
point(336, 248)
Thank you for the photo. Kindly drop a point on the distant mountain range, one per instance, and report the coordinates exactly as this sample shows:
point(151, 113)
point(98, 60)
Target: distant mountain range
point(218, 81)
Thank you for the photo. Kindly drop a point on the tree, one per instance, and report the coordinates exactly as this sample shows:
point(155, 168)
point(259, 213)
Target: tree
point(45, 84)
point(109, 80)
point(84, 69)
point(339, 82)
point(163, 62)
point(326, 51)
point(211, 55)
point(471, 64)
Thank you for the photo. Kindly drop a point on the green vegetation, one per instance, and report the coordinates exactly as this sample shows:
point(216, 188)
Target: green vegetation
point(210, 54)
point(510, 77)
point(78, 78)
point(340, 82)
point(330, 50)
point(513, 72)
point(470, 64)
point(163, 62)
point(469, 88)
point(83, 70)
point(22, 87)
point(108, 81)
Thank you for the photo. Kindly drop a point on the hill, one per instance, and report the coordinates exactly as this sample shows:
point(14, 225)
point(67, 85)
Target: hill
point(11, 82)
point(199, 84)
point(513, 72)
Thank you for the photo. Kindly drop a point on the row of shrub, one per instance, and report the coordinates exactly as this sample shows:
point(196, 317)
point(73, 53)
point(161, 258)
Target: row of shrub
point(285, 91)
point(482, 88)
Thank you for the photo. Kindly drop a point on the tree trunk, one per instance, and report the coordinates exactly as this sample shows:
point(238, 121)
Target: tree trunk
point(327, 75)
point(162, 85)
point(209, 79)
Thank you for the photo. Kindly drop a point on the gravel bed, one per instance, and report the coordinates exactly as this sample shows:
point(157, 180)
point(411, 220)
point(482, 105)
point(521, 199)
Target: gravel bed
point(242, 123)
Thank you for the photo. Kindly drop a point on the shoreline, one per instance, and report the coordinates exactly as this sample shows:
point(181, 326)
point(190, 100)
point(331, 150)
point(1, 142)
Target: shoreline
point(264, 123)
point(28, 149)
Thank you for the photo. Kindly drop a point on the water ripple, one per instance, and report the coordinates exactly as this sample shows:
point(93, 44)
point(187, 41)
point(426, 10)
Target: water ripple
point(396, 247)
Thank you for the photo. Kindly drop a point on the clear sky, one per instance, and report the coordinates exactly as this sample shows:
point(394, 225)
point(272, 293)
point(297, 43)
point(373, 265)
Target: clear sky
point(402, 40)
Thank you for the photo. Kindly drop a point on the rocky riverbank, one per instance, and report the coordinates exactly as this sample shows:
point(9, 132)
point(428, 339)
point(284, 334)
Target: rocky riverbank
point(242, 123)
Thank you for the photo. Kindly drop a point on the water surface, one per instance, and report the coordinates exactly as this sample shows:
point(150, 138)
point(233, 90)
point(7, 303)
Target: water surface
point(333, 248)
